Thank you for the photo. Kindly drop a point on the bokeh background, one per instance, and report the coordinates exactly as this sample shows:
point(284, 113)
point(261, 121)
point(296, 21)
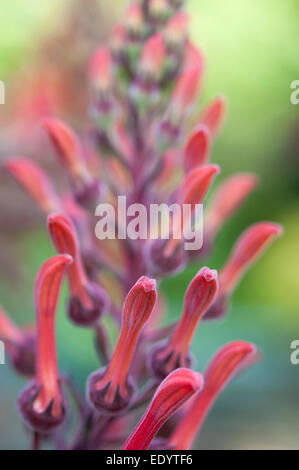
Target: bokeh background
point(252, 54)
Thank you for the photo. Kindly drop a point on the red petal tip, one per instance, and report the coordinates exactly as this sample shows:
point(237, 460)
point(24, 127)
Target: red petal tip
point(172, 393)
point(147, 284)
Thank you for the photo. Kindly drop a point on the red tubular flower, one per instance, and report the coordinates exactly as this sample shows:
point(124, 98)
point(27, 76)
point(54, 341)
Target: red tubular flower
point(252, 243)
point(230, 195)
point(152, 57)
point(167, 255)
point(185, 92)
point(42, 404)
point(199, 297)
point(110, 389)
point(197, 183)
point(229, 361)
point(68, 149)
point(100, 69)
point(192, 192)
point(168, 171)
point(118, 41)
point(214, 115)
point(36, 183)
point(20, 344)
point(172, 393)
point(197, 148)
point(192, 55)
point(88, 300)
point(87, 189)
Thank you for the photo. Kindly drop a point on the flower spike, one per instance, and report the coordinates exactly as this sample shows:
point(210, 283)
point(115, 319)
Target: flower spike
point(252, 243)
point(20, 344)
point(229, 361)
point(199, 297)
point(35, 182)
point(173, 392)
point(110, 389)
point(88, 300)
point(197, 149)
point(42, 404)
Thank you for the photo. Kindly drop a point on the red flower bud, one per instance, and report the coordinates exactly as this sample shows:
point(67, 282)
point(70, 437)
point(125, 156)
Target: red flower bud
point(214, 115)
point(197, 183)
point(110, 389)
point(118, 41)
point(42, 404)
point(197, 149)
point(193, 56)
point(176, 29)
point(252, 243)
point(100, 69)
point(68, 150)
point(88, 300)
point(192, 192)
point(185, 92)
point(20, 345)
point(152, 57)
point(35, 182)
point(199, 297)
point(229, 361)
point(172, 393)
point(227, 199)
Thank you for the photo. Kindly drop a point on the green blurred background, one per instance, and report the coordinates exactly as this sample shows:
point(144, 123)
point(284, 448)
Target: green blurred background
point(252, 53)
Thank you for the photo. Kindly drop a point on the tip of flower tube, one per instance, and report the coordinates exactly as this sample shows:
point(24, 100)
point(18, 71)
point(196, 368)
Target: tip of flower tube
point(276, 229)
point(53, 217)
point(209, 274)
point(214, 169)
point(18, 165)
point(185, 376)
point(147, 284)
point(48, 123)
point(241, 346)
point(10, 164)
point(66, 259)
point(57, 219)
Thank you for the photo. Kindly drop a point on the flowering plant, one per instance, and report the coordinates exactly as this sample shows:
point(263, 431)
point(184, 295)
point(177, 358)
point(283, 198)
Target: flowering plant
point(143, 89)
